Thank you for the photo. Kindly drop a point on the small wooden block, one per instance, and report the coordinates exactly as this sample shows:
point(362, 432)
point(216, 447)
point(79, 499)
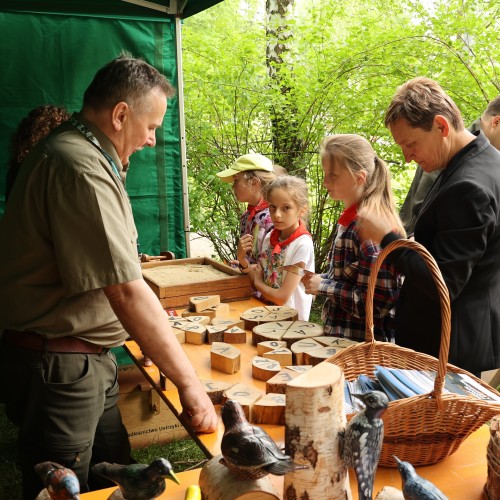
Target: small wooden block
point(264, 369)
point(300, 347)
point(318, 355)
point(202, 320)
point(235, 335)
point(270, 410)
point(227, 322)
point(219, 311)
point(215, 389)
point(177, 321)
point(282, 355)
point(180, 335)
point(336, 342)
point(203, 302)
point(245, 395)
point(269, 345)
point(225, 357)
point(189, 314)
point(195, 333)
point(277, 384)
point(215, 334)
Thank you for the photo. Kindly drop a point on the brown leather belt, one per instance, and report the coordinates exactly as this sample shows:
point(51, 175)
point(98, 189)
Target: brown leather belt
point(35, 342)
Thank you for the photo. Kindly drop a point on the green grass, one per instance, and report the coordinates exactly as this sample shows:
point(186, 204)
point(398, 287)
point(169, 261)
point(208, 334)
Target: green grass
point(183, 455)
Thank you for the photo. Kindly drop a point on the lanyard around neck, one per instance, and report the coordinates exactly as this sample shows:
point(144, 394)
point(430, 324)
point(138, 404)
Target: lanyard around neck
point(93, 139)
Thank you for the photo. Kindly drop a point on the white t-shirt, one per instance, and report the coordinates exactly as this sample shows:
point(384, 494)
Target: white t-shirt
point(299, 250)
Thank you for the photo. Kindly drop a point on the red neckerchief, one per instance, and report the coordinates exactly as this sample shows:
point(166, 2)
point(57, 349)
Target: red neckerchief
point(278, 245)
point(348, 215)
point(253, 209)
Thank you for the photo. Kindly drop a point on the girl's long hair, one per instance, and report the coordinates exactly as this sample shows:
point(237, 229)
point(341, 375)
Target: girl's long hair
point(357, 155)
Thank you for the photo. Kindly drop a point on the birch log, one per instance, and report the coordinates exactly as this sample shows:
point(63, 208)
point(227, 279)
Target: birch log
point(314, 416)
point(217, 483)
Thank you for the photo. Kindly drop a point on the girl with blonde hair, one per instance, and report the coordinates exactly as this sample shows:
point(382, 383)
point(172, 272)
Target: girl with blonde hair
point(355, 175)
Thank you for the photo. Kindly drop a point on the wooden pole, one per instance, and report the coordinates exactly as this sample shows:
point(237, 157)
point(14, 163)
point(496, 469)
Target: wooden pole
point(314, 416)
point(217, 483)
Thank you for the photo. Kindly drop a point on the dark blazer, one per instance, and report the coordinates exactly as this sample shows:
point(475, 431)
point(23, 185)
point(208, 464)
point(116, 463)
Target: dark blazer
point(460, 226)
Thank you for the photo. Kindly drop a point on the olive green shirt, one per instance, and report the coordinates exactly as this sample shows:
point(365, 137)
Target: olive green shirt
point(67, 232)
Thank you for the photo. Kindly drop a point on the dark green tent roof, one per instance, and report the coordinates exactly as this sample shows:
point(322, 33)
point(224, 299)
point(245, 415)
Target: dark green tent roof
point(131, 8)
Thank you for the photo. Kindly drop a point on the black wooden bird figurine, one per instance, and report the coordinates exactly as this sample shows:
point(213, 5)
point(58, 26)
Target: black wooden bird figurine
point(138, 481)
point(247, 450)
point(60, 482)
point(416, 487)
point(361, 442)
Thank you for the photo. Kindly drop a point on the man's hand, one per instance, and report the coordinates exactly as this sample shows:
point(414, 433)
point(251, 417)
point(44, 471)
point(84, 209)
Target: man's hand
point(197, 409)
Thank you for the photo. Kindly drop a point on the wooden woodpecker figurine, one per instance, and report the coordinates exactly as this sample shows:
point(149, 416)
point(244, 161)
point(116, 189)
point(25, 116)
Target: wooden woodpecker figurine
point(60, 482)
point(361, 442)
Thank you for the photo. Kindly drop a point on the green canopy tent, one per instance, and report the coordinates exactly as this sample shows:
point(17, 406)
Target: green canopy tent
point(50, 51)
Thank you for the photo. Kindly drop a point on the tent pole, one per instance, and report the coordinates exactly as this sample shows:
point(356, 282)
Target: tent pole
point(182, 129)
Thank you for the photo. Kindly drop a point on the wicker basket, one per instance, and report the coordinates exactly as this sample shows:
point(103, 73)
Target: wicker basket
point(423, 429)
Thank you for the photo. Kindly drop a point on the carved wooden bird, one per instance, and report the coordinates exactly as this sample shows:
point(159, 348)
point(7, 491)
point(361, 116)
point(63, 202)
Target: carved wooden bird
point(138, 481)
point(60, 482)
point(416, 487)
point(361, 442)
point(247, 450)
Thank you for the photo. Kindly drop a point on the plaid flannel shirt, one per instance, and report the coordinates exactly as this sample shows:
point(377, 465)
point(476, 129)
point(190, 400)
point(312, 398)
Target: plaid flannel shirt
point(345, 286)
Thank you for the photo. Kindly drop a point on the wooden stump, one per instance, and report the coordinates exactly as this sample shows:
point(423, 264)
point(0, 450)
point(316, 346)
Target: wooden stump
point(270, 410)
point(217, 483)
point(195, 333)
point(235, 335)
point(215, 334)
point(314, 418)
point(492, 486)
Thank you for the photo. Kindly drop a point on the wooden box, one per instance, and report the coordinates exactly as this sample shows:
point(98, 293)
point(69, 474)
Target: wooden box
point(175, 281)
point(147, 418)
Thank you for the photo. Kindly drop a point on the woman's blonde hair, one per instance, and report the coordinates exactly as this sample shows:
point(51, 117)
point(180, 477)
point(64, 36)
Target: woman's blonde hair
point(296, 187)
point(357, 155)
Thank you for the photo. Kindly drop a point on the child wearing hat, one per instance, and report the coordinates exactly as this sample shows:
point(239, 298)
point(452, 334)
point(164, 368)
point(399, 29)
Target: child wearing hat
point(250, 175)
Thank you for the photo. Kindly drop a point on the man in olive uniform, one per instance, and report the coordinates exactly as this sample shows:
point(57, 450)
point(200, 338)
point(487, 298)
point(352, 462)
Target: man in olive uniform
point(71, 285)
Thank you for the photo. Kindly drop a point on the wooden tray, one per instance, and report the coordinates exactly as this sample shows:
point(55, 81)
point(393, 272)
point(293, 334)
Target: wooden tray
point(175, 281)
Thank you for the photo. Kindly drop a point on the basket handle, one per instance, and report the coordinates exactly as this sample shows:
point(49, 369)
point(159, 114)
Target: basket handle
point(444, 298)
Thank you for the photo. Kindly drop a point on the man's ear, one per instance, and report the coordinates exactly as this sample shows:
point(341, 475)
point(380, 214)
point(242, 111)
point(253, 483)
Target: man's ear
point(119, 115)
point(442, 124)
point(495, 121)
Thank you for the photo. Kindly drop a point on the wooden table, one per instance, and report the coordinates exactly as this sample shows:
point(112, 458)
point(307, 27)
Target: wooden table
point(461, 476)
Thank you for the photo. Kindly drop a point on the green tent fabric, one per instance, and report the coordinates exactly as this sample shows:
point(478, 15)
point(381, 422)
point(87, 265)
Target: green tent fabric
point(50, 58)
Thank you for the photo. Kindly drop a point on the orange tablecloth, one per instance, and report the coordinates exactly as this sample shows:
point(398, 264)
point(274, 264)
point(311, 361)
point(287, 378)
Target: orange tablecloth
point(461, 476)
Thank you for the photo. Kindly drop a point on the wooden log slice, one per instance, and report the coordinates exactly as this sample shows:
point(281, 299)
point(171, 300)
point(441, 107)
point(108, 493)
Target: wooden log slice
point(315, 356)
point(270, 409)
point(203, 302)
point(269, 345)
point(202, 320)
point(337, 342)
point(277, 384)
point(187, 313)
point(282, 355)
point(215, 389)
point(219, 311)
point(264, 369)
point(301, 330)
point(235, 335)
point(258, 315)
point(215, 334)
point(225, 358)
point(269, 331)
point(217, 483)
point(195, 333)
point(300, 347)
point(177, 321)
point(245, 395)
point(227, 322)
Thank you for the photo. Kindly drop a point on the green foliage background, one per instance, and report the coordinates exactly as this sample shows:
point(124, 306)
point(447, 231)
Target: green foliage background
point(342, 64)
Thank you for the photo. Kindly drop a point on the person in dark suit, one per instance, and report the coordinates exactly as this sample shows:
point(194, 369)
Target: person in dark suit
point(459, 224)
point(489, 123)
